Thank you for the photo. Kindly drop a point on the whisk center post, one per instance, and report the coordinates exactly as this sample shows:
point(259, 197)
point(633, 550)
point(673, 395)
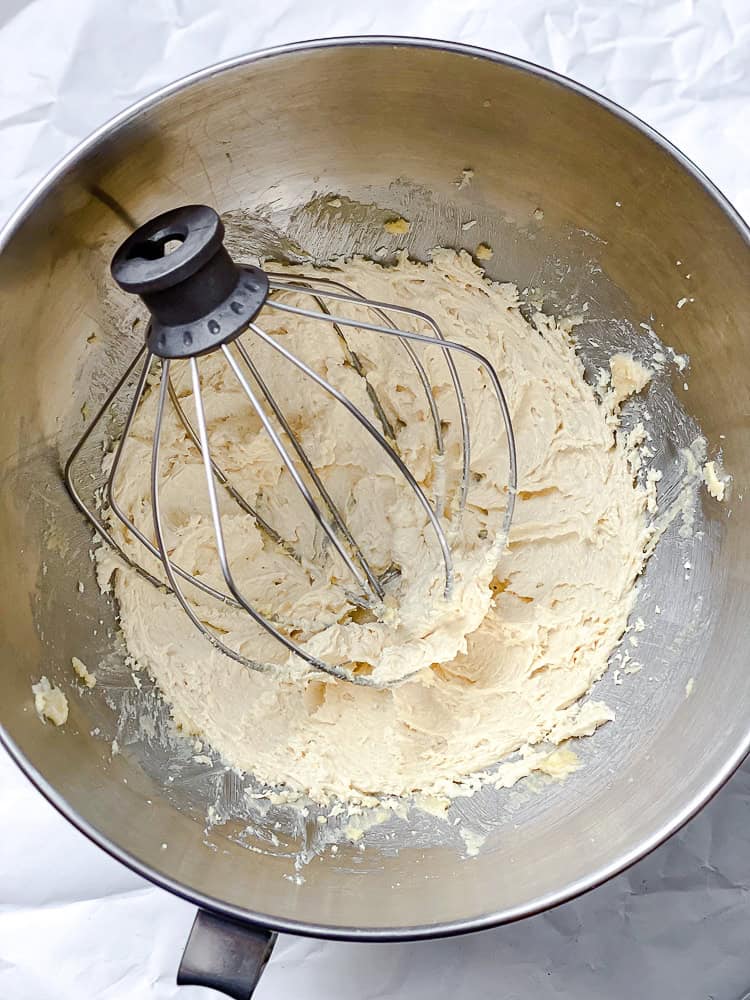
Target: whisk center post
point(199, 299)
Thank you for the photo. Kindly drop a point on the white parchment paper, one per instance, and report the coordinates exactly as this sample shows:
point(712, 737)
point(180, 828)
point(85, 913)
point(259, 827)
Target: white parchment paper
point(73, 923)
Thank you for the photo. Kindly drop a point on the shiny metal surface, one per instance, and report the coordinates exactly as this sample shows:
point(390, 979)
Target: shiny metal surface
point(225, 955)
point(387, 127)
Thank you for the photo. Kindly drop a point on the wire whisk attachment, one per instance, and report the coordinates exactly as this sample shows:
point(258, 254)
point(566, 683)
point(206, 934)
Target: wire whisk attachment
point(204, 314)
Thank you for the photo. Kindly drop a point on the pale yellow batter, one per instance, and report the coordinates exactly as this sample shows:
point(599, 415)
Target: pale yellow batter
point(527, 631)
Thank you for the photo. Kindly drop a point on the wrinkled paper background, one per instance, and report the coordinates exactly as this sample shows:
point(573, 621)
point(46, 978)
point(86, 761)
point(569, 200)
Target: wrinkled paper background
point(75, 924)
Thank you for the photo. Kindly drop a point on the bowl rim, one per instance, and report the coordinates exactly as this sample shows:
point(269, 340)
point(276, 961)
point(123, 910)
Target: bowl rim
point(470, 924)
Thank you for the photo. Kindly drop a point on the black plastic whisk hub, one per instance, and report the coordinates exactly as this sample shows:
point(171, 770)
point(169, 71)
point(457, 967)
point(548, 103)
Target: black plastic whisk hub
point(198, 297)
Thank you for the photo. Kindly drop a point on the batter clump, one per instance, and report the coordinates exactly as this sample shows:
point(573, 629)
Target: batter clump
point(500, 665)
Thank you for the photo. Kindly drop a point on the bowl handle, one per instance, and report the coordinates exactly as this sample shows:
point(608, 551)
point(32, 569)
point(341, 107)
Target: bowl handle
point(225, 955)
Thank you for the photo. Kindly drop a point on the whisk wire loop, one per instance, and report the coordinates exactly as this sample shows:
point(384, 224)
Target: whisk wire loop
point(382, 310)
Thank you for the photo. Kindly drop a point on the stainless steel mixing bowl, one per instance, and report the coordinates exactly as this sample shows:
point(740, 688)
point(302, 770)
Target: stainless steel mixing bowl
point(387, 126)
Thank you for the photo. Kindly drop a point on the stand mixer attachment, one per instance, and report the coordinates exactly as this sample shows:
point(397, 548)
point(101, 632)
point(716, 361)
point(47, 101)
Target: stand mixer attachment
point(201, 302)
